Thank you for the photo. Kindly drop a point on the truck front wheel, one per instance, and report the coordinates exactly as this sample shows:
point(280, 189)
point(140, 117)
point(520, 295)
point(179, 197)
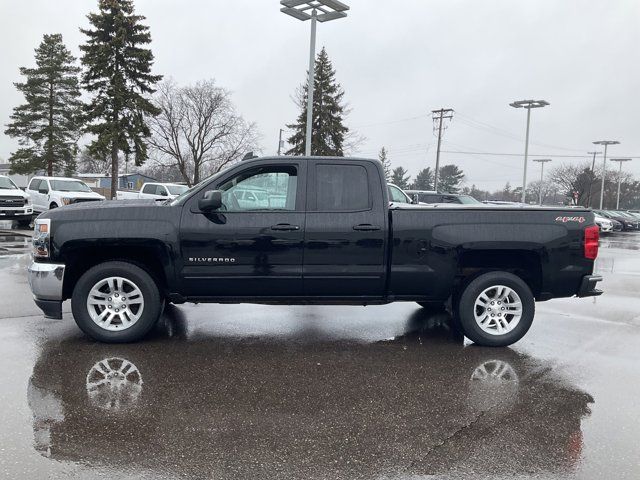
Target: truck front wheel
point(116, 302)
point(495, 309)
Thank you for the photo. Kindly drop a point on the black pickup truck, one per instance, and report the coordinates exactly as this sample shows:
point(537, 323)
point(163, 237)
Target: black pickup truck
point(296, 230)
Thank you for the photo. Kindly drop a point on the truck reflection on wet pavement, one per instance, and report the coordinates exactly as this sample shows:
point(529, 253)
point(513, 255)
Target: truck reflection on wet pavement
point(304, 407)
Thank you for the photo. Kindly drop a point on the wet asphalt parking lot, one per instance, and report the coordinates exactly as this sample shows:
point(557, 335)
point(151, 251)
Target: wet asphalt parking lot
point(390, 392)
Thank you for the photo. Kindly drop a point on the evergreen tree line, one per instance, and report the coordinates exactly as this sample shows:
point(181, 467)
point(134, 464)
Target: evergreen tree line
point(190, 131)
point(115, 74)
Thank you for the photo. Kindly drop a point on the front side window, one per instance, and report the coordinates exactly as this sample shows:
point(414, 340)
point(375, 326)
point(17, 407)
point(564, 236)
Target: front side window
point(342, 188)
point(69, 186)
point(34, 184)
point(266, 188)
point(149, 188)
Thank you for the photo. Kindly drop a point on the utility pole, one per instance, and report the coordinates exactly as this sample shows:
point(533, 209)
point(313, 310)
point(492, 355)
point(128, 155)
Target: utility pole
point(620, 161)
point(528, 104)
point(593, 173)
point(606, 143)
point(438, 117)
point(280, 142)
point(541, 161)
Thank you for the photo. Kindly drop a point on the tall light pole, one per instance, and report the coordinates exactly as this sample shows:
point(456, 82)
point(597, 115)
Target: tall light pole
point(593, 173)
point(528, 104)
point(621, 161)
point(606, 143)
point(541, 161)
point(321, 11)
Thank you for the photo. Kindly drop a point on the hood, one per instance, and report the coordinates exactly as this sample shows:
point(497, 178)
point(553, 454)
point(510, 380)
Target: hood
point(80, 194)
point(111, 209)
point(13, 193)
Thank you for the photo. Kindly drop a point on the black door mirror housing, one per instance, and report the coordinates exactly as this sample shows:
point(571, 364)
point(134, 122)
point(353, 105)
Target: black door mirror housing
point(211, 201)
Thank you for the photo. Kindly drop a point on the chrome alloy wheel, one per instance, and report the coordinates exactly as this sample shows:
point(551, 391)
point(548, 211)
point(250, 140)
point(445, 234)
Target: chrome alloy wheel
point(498, 310)
point(115, 303)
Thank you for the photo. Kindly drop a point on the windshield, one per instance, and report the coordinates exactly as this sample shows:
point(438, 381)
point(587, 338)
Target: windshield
point(69, 186)
point(177, 189)
point(7, 184)
point(466, 199)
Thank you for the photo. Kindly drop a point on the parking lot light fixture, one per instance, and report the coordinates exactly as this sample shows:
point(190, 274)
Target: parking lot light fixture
point(316, 11)
point(606, 143)
point(620, 161)
point(528, 104)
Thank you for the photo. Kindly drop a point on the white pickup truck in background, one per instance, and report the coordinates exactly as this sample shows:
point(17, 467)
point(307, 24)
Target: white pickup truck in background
point(155, 191)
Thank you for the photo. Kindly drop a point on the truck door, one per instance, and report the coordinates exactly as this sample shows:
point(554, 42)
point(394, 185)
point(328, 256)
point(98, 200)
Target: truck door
point(345, 235)
point(247, 249)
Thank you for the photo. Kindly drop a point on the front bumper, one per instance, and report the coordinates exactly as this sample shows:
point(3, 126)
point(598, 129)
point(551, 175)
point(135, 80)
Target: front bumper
point(45, 280)
point(9, 212)
point(588, 286)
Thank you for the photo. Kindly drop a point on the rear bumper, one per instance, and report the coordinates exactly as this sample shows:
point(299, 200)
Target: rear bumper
point(45, 280)
point(588, 286)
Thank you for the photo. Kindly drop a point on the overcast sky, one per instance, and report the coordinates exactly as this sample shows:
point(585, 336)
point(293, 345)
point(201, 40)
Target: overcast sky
point(395, 65)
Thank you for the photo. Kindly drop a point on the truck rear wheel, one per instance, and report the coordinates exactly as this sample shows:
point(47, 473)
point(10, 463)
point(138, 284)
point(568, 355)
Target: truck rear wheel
point(495, 309)
point(116, 302)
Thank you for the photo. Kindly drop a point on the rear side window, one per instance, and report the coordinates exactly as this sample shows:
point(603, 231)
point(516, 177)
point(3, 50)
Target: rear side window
point(429, 198)
point(341, 188)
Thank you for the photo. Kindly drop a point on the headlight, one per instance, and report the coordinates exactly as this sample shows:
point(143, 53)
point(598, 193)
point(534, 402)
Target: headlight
point(66, 200)
point(42, 238)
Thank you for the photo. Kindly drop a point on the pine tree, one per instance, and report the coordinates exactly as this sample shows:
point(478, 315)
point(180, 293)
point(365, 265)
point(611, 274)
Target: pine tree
point(424, 180)
point(450, 179)
point(118, 73)
point(400, 177)
point(328, 130)
point(46, 125)
point(386, 164)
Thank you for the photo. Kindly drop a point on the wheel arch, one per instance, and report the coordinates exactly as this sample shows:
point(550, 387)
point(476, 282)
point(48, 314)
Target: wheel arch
point(525, 264)
point(81, 256)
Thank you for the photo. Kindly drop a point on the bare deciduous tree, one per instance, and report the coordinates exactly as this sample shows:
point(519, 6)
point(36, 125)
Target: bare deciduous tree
point(199, 130)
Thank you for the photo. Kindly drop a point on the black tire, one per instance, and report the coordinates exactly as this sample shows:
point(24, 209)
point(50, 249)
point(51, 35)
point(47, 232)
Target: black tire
point(153, 302)
point(465, 307)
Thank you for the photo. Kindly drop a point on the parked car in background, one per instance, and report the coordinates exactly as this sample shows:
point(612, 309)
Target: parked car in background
point(429, 196)
point(53, 192)
point(605, 224)
point(154, 191)
point(397, 195)
point(628, 223)
point(629, 216)
point(14, 203)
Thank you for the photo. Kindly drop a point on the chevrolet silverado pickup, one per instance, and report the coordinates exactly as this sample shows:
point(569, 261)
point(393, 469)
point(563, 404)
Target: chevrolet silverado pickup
point(325, 232)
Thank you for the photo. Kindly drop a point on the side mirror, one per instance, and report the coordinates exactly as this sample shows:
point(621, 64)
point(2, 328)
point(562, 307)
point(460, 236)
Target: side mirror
point(212, 200)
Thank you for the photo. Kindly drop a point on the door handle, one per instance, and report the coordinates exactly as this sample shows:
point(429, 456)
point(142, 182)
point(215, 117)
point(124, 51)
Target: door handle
point(285, 227)
point(366, 227)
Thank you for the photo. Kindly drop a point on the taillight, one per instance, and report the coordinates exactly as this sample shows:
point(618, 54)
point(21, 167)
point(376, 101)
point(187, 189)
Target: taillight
point(591, 238)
